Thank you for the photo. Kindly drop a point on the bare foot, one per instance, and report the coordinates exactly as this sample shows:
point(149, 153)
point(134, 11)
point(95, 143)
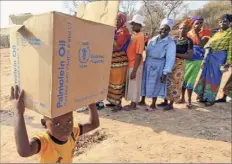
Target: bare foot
point(153, 106)
point(189, 105)
point(116, 108)
point(142, 103)
point(182, 101)
point(132, 106)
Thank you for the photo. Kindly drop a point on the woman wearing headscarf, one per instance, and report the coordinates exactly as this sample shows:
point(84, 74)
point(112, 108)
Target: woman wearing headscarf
point(184, 50)
point(200, 36)
point(160, 59)
point(119, 63)
point(219, 56)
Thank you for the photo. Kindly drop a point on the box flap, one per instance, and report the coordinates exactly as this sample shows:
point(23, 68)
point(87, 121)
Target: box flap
point(16, 28)
point(104, 12)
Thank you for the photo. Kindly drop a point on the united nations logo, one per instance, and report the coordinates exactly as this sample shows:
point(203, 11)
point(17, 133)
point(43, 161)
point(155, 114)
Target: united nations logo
point(84, 53)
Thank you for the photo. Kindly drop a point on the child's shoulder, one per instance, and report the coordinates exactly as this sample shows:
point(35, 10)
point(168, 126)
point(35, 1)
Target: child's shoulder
point(43, 138)
point(77, 130)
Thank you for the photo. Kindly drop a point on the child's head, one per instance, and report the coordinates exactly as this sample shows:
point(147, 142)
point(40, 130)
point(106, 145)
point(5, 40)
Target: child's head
point(60, 127)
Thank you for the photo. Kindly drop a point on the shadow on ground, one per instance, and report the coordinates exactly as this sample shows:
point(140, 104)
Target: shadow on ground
point(7, 118)
point(212, 123)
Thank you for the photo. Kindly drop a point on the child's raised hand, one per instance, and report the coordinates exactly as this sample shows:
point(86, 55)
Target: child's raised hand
point(17, 99)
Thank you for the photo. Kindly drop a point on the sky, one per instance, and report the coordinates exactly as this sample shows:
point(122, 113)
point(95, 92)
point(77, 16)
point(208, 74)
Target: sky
point(37, 7)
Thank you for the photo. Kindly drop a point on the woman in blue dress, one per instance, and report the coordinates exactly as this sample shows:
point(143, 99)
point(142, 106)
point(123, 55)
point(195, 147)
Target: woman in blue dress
point(160, 59)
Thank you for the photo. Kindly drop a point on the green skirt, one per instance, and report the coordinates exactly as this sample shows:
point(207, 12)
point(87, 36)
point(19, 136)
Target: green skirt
point(192, 68)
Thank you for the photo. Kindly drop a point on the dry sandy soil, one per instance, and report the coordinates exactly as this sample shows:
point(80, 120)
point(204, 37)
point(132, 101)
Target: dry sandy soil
point(198, 135)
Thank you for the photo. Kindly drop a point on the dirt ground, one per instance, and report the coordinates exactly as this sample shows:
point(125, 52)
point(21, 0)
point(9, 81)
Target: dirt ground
point(198, 135)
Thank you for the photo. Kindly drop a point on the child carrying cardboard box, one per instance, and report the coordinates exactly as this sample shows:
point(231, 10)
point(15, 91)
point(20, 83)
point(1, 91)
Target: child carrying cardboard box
point(57, 144)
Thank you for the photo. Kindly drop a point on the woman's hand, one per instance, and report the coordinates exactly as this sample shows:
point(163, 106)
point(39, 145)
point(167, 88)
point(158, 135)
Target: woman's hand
point(226, 67)
point(163, 78)
point(133, 75)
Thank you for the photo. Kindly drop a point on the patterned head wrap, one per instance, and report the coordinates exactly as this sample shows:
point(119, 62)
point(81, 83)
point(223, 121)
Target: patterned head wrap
point(187, 22)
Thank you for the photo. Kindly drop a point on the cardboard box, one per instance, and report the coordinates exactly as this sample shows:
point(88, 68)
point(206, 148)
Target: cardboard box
point(61, 61)
point(99, 11)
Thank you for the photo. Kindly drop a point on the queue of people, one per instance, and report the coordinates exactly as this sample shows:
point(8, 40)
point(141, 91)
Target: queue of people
point(172, 64)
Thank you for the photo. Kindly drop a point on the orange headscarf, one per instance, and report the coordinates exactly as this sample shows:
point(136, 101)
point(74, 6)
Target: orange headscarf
point(188, 22)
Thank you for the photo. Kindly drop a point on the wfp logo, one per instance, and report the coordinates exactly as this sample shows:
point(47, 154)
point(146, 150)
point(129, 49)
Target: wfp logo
point(84, 53)
point(85, 56)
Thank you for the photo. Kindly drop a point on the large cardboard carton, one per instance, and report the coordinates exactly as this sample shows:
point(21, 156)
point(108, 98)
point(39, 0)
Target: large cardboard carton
point(99, 11)
point(61, 61)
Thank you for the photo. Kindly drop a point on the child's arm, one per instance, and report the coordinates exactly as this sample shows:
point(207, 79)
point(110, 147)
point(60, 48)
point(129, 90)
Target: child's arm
point(24, 147)
point(93, 120)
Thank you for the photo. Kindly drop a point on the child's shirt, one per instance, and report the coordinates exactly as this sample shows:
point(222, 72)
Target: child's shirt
point(52, 150)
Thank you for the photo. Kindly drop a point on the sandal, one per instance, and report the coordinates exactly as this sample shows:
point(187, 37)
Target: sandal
point(163, 104)
point(189, 105)
point(149, 109)
point(222, 100)
point(128, 108)
point(141, 103)
point(181, 102)
point(168, 107)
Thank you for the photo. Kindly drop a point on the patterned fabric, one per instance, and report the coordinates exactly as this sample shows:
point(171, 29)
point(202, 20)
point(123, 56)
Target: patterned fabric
point(119, 66)
point(219, 52)
point(122, 39)
point(117, 78)
point(175, 81)
point(192, 68)
point(228, 87)
point(222, 41)
point(210, 79)
point(176, 77)
point(133, 87)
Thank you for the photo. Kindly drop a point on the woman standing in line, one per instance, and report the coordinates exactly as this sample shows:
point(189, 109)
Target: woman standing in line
point(160, 59)
point(219, 56)
point(119, 64)
point(184, 50)
point(200, 36)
